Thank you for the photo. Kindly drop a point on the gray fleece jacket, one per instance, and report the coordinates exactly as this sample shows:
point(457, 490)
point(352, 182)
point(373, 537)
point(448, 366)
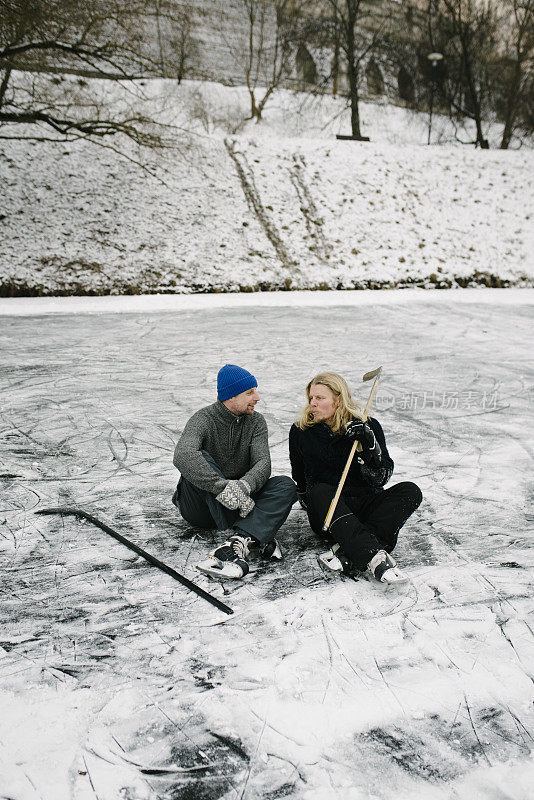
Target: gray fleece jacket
point(239, 445)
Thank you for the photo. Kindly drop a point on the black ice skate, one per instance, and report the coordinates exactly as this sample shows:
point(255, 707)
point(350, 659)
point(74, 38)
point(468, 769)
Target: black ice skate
point(229, 560)
point(384, 568)
point(335, 561)
point(271, 550)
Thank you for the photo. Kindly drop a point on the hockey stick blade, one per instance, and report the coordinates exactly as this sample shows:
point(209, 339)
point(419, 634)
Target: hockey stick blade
point(375, 373)
point(155, 562)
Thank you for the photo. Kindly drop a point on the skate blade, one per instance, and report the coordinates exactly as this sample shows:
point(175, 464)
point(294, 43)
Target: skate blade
point(394, 575)
point(330, 563)
point(277, 553)
point(220, 570)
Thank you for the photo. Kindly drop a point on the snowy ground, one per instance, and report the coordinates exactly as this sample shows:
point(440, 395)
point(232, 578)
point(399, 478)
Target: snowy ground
point(118, 684)
point(280, 205)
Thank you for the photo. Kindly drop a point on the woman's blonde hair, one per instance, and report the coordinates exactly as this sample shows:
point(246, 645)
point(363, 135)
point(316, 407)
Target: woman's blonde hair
point(347, 407)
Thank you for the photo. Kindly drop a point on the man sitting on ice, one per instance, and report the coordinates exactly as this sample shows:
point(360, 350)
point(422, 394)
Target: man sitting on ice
point(223, 457)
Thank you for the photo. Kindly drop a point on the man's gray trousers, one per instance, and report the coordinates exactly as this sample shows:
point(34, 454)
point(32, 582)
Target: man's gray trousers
point(273, 504)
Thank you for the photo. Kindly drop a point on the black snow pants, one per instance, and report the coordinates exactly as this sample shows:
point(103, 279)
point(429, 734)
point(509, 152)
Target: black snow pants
point(363, 526)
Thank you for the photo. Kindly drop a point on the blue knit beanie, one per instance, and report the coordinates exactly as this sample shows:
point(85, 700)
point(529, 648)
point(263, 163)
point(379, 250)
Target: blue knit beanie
point(232, 380)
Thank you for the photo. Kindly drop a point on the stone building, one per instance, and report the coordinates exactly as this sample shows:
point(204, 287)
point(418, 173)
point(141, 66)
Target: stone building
point(230, 41)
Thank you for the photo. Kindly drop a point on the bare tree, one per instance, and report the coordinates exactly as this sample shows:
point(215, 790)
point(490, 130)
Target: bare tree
point(466, 33)
point(96, 38)
point(265, 48)
point(182, 43)
point(357, 27)
point(172, 30)
point(517, 67)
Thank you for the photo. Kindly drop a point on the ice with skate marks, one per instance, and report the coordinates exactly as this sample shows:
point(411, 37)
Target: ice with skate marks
point(361, 595)
point(256, 599)
point(378, 600)
point(125, 752)
point(240, 590)
point(470, 584)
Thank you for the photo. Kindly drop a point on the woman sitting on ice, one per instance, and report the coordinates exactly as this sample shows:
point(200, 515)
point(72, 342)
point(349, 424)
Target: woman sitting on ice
point(367, 518)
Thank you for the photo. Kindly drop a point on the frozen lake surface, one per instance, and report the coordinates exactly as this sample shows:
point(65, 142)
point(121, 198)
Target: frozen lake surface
point(118, 684)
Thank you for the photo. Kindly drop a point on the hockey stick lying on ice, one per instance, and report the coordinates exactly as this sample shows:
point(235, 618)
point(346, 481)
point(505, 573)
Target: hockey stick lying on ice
point(367, 377)
point(78, 512)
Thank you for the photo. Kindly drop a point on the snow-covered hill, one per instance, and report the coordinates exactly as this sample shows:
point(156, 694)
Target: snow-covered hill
point(279, 205)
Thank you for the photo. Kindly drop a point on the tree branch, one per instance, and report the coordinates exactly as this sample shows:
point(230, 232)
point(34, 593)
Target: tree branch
point(98, 128)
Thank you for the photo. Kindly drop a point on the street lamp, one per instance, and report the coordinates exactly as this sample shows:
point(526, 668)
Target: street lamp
point(434, 59)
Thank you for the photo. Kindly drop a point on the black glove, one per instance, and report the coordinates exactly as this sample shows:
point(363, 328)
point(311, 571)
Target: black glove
point(356, 429)
point(362, 432)
point(301, 496)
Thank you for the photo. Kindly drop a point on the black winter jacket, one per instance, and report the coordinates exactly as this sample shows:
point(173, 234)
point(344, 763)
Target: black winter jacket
point(319, 456)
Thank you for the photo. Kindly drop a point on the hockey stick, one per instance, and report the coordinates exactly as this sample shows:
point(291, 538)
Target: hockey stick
point(356, 446)
point(78, 512)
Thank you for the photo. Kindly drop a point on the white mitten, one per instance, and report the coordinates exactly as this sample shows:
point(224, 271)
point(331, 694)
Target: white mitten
point(236, 495)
